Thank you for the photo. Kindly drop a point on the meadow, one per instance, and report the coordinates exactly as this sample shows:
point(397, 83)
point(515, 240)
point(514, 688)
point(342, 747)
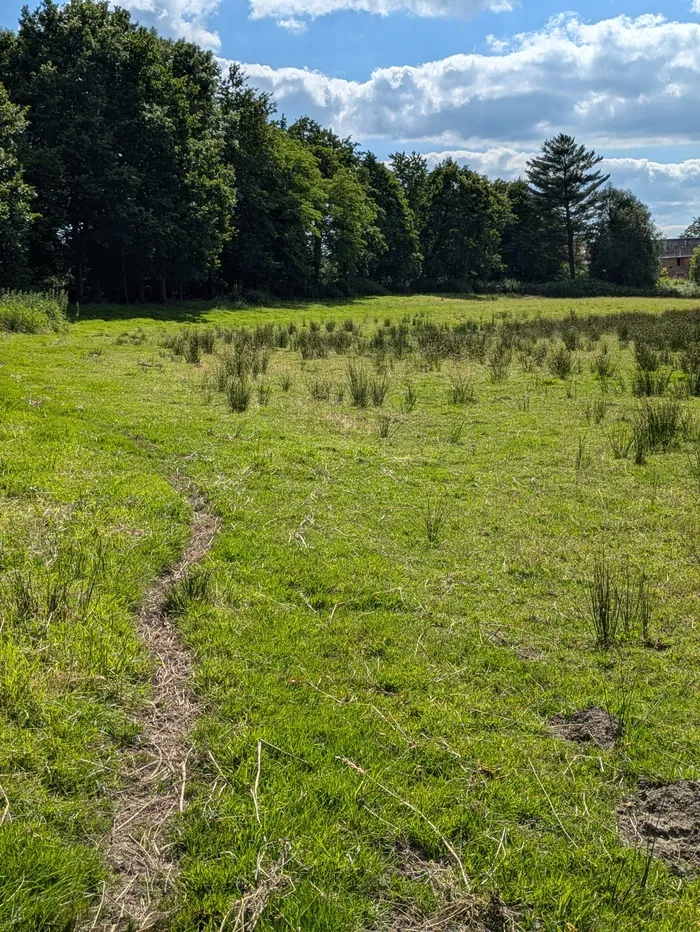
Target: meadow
point(446, 527)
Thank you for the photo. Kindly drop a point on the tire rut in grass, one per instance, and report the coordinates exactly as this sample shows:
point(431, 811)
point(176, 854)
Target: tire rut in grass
point(138, 850)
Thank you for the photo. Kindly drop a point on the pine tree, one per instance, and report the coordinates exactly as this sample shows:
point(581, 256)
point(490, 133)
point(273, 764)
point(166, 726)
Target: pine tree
point(565, 180)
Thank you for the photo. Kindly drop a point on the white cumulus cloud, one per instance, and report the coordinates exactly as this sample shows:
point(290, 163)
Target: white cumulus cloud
point(293, 25)
point(185, 19)
point(620, 81)
point(435, 8)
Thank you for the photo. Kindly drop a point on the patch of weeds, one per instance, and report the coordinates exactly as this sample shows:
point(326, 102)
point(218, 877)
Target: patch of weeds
point(659, 424)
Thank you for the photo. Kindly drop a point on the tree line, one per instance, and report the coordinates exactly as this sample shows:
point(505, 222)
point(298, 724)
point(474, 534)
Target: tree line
point(132, 168)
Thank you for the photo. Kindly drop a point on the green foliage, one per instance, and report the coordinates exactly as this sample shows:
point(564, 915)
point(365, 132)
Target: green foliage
point(16, 197)
point(460, 233)
point(32, 312)
point(531, 245)
point(565, 181)
point(625, 243)
point(694, 266)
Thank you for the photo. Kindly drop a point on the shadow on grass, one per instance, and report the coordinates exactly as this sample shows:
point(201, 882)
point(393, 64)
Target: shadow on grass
point(194, 312)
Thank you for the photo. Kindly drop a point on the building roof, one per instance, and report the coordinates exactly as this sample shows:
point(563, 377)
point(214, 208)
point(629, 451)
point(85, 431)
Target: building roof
point(679, 248)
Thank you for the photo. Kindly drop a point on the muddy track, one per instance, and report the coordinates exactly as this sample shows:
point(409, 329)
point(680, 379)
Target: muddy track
point(138, 852)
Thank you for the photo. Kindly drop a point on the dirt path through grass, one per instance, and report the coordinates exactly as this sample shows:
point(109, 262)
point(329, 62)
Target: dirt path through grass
point(138, 852)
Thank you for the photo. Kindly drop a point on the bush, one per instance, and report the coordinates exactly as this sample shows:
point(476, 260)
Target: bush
point(33, 312)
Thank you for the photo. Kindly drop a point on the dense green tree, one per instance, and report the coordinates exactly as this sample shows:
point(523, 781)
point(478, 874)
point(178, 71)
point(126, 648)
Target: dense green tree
point(280, 195)
point(122, 147)
point(16, 198)
point(692, 231)
point(464, 217)
point(348, 227)
point(394, 258)
point(532, 246)
point(565, 180)
point(626, 244)
point(412, 172)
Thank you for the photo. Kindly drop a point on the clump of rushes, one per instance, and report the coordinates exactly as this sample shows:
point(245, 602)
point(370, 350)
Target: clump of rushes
point(238, 393)
point(560, 362)
point(658, 424)
point(619, 602)
point(650, 382)
point(598, 409)
point(499, 360)
point(384, 425)
point(320, 389)
point(358, 384)
point(461, 390)
point(410, 399)
point(285, 382)
point(434, 518)
point(378, 390)
point(264, 392)
point(621, 438)
point(603, 365)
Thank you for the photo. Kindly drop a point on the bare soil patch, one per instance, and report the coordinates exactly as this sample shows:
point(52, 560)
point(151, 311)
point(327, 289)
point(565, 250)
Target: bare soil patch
point(138, 851)
point(593, 725)
point(665, 820)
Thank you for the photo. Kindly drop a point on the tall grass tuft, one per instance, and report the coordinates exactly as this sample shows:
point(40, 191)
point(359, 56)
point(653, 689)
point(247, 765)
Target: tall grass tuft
point(238, 392)
point(358, 384)
point(434, 519)
point(658, 424)
point(461, 390)
point(409, 399)
point(620, 602)
point(378, 389)
point(560, 362)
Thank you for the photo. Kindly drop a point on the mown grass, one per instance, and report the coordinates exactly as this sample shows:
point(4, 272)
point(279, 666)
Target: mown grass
point(388, 621)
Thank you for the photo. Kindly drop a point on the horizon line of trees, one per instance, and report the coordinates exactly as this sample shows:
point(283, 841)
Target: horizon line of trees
point(133, 169)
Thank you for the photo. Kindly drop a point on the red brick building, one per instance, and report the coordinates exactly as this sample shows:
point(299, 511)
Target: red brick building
point(675, 257)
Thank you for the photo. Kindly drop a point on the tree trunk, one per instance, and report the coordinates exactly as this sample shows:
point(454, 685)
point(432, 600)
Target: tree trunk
point(126, 287)
point(570, 243)
point(78, 263)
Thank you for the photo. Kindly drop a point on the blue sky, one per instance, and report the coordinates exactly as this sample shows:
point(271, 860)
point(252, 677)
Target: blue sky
point(482, 80)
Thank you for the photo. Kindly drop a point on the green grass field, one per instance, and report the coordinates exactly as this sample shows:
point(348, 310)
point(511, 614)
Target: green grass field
point(396, 606)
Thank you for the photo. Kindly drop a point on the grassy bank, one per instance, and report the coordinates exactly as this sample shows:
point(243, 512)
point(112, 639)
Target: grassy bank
point(394, 609)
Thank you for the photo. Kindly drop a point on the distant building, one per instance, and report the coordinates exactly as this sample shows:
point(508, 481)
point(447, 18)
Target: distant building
point(675, 256)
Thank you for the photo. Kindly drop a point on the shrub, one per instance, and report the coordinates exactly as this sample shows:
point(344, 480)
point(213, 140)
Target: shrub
point(32, 312)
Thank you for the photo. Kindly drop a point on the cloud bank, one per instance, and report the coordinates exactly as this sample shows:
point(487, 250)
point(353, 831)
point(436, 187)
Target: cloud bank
point(621, 82)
